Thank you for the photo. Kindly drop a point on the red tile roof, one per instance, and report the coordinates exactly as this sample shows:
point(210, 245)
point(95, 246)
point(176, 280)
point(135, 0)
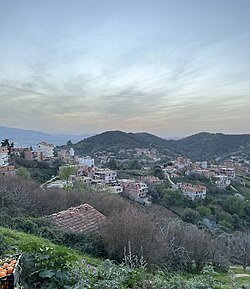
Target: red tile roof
point(83, 218)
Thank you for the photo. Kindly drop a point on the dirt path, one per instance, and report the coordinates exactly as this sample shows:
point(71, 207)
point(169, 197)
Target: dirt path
point(241, 275)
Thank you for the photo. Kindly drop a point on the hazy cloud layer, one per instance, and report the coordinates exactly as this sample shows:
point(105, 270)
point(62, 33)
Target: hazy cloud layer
point(169, 67)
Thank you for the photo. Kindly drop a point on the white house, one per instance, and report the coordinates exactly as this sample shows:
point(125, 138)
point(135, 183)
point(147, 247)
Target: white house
point(106, 175)
point(193, 192)
point(86, 161)
point(71, 152)
point(222, 182)
point(4, 158)
point(46, 149)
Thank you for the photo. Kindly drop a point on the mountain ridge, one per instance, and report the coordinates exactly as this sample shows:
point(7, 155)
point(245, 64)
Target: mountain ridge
point(201, 146)
point(26, 137)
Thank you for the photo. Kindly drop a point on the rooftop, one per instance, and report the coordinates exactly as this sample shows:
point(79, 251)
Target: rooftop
point(83, 218)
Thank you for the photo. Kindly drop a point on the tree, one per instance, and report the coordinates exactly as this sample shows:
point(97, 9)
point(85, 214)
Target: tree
point(190, 216)
point(173, 197)
point(23, 173)
point(5, 143)
point(239, 248)
point(135, 165)
point(112, 164)
point(134, 227)
point(159, 173)
point(234, 205)
point(65, 172)
point(204, 211)
point(69, 143)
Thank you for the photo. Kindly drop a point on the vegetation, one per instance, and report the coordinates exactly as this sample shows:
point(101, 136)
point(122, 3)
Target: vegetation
point(46, 265)
point(202, 146)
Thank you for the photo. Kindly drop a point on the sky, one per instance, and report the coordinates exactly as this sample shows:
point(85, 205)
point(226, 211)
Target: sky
point(168, 67)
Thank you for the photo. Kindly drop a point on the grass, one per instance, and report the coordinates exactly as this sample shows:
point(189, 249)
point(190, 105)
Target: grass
point(18, 242)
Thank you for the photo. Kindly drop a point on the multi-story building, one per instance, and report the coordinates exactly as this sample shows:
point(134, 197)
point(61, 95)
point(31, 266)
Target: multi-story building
point(228, 172)
point(183, 162)
point(136, 191)
point(4, 158)
point(46, 149)
point(105, 175)
point(193, 192)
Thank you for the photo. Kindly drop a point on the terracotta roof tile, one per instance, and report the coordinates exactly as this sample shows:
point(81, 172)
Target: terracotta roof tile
point(83, 218)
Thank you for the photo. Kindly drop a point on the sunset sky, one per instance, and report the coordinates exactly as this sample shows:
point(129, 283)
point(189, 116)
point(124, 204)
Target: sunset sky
point(169, 67)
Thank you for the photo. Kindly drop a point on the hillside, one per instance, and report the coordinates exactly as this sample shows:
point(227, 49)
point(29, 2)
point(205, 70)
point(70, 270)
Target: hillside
point(51, 266)
point(208, 146)
point(201, 146)
point(116, 140)
point(25, 138)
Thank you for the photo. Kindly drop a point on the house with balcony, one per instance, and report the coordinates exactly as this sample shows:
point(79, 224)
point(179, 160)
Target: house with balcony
point(105, 175)
point(193, 192)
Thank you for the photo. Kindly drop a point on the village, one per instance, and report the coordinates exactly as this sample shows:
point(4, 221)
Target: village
point(84, 170)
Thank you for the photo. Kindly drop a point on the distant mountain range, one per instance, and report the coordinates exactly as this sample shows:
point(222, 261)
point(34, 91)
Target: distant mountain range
point(25, 138)
point(198, 147)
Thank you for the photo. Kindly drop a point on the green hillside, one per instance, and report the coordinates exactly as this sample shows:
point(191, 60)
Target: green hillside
point(45, 265)
point(207, 146)
point(201, 146)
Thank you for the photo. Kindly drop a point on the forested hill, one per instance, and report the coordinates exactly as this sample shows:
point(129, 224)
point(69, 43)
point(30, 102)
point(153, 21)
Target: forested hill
point(201, 146)
point(208, 146)
point(116, 140)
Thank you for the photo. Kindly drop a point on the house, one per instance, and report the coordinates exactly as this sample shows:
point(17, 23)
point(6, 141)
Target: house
point(86, 161)
point(183, 162)
point(7, 170)
point(30, 155)
point(46, 149)
point(80, 219)
point(116, 189)
point(71, 152)
point(136, 191)
point(4, 157)
point(62, 154)
point(151, 180)
point(222, 182)
point(228, 172)
point(105, 175)
point(193, 192)
point(169, 169)
point(58, 184)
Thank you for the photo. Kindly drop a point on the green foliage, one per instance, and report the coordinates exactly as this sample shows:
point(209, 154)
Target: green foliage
point(23, 173)
point(158, 172)
point(207, 146)
point(65, 172)
point(203, 211)
point(173, 198)
point(112, 164)
point(234, 205)
point(69, 143)
point(106, 276)
point(202, 146)
point(47, 266)
point(190, 216)
point(135, 165)
point(86, 243)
